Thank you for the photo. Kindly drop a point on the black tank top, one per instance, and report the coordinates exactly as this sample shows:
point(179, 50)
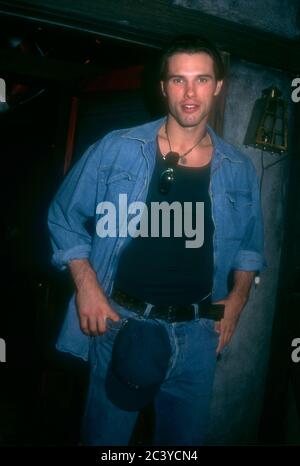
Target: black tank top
point(162, 270)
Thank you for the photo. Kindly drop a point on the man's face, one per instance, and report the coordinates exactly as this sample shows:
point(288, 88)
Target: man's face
point(190, 87)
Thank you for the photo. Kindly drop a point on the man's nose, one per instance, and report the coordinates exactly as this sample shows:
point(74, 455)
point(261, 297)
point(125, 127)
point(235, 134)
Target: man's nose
point(190, 89)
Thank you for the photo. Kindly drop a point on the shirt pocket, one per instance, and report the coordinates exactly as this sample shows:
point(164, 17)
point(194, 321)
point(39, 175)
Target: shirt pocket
point(115, 182)
point(108, 176)
point(237, 213)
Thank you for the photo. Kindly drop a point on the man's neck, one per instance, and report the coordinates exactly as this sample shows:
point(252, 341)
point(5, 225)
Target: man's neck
point(183, 137)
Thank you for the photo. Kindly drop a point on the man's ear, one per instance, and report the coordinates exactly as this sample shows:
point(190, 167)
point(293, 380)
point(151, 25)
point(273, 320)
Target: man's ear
point(218, 87)
point(162, 86)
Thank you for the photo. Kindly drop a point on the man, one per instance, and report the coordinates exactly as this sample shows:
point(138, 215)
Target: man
point(124, 270)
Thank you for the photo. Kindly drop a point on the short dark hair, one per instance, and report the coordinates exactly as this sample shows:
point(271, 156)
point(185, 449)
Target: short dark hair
point(192, 44)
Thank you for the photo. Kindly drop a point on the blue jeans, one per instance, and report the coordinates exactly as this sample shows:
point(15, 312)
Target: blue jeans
point(181, 407)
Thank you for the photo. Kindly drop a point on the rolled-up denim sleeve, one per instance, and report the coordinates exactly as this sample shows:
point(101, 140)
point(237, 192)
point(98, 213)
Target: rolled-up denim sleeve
point(70, 209)
point(250, 256)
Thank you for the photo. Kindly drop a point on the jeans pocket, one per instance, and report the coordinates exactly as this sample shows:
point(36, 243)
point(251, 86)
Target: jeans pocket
point(115, 325)
point(209, 324)
point(103, 344)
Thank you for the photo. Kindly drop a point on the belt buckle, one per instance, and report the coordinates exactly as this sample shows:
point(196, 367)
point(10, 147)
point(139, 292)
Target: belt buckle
point(170, 314)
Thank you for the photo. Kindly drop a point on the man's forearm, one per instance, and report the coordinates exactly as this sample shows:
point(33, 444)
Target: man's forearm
point(242, 284)
point(82, 272)
point(84, 276)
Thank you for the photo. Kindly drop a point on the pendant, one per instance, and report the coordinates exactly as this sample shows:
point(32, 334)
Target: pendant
point(183, 160)
point(172, 158)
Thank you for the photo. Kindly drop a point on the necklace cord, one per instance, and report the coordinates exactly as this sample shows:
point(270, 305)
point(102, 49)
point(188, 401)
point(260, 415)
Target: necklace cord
point(189, 150)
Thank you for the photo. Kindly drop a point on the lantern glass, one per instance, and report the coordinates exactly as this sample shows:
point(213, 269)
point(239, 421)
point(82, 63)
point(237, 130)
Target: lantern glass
point(268, 123)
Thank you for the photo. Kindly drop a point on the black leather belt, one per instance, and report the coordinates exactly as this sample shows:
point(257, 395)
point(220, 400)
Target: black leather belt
point(176, 313)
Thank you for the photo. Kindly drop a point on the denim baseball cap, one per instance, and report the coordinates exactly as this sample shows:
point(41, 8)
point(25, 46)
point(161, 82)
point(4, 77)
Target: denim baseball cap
point(139, 363)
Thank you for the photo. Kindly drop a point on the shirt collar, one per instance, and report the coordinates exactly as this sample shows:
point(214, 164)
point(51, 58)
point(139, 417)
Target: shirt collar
point(148, 132)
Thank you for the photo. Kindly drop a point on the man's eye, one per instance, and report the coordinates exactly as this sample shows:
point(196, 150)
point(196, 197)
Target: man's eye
point(177, 80)
point(202, 80)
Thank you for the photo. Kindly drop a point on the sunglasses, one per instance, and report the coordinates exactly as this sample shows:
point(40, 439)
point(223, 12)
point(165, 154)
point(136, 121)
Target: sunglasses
point(167, 177)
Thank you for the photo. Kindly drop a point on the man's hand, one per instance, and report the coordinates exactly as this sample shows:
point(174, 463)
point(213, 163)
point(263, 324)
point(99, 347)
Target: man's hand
point(234, 304)
point(92, 304)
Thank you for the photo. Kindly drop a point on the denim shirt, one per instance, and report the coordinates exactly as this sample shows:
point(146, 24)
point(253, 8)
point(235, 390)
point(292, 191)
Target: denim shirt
point(123, 162)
